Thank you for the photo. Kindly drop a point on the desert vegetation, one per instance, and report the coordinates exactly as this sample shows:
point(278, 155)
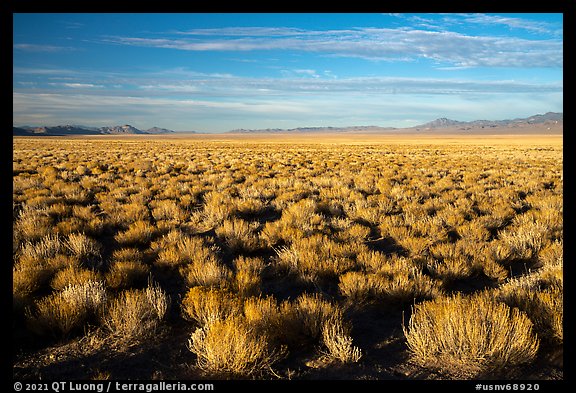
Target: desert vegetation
point(192, 258)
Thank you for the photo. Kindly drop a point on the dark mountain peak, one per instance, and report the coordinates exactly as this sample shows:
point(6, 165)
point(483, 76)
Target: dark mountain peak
point(125, 129)
point(157, 130)
point(440, 122)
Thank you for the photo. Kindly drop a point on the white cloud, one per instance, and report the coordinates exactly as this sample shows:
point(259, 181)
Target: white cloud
point(43, 48)
point(400, 44)
point(294, 84)
point(511, 22)
point(77, 85)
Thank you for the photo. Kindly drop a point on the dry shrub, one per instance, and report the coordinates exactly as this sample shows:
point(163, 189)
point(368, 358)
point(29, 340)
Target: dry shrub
point(249, 206)
point(316, 257)
point(239, 235)
point(358, 287)
point(248, 275)
point(265, 315)
point(416, 246)
point(206, 305)
point(85, 249)
point(169, 247)
point(36, 265)
point(370, 260)
point(69, 226)
point(540, 295)
point(73, 275)
point(26, 281)
point(494, 270)
point(232, 346)
point(217, 208)
point(470, 334)
point(525, 240)
point(473, 230)
point(298, 221)
point(312, 313)
point(339, 344)
point(401, 287)
point(320, 320)
point(59, 210)
point(69, 310)
point(48, 247)
point(85, 213)
point(452, 268)
point(138, 233)
point(168, 210)
point(208, 273)
point(170, 256)
point(552, 255)
point(135, 314)
point(33, 224)
point(198, 263)
point(126, 274)
point(127, 254)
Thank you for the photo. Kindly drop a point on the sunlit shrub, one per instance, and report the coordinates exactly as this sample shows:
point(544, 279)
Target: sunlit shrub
point(470, 335)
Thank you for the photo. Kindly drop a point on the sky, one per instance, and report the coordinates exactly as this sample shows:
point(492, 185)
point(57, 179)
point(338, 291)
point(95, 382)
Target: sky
point(219, 72)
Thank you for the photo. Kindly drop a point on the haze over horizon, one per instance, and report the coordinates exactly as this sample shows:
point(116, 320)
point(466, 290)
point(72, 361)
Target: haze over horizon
point(217, 72)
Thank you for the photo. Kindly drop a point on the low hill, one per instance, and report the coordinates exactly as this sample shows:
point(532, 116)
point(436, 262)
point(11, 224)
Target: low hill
point(547, 118)
point(84, 130)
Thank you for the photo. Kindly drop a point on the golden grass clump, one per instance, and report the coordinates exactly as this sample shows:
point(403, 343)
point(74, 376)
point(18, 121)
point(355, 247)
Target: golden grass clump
point(470, 335)
point(84, 248)
point(138, 233)
point(136, 314)
point(33, 224)
point(127, 274)
point(168, 210)
point(400, 287)
point(232, 346)
point(206, 305)
point(217, 208)
point(68, 310)
point(540, 295)
point(248, 276)
point(316, 257)
point(47, 247)
point(323, 321)
point(525, 240)
point(267, 317)
point(73, 275)
point(339, 343)
point(312, 313)
point(210, 273)
point(239, 235)
point(35, 265)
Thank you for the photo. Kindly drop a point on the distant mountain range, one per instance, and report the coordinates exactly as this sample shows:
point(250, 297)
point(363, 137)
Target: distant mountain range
point(441, 123)
point(84, 130)
point(551, 119)
point(311, 130)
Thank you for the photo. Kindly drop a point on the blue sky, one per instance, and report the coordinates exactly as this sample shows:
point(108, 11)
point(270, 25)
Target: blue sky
point(217, 72)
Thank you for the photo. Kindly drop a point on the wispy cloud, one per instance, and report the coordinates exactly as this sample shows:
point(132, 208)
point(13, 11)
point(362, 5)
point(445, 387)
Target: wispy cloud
point(446, 21)
point(72, 25)
point(293, 82)
point(77, 85)
point(510, 22)
point(403, 44)
point(364, 86)
point(43, 48)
